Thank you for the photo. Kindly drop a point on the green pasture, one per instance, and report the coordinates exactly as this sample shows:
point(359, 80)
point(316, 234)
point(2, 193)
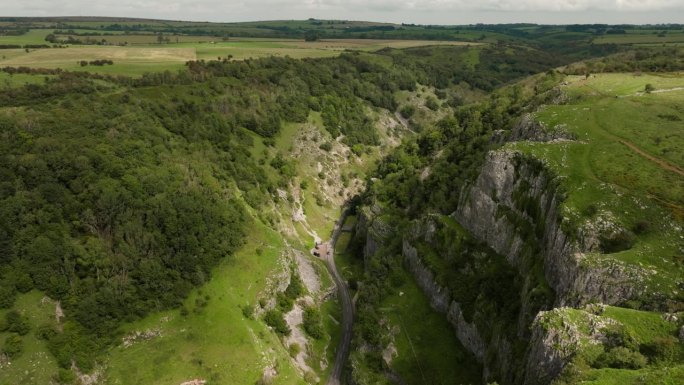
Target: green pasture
point(144, 54)
point(642, 37)
point(18, 80)
point(645, 327)
point(657, 376)
point(623, 164)
point(33, 36)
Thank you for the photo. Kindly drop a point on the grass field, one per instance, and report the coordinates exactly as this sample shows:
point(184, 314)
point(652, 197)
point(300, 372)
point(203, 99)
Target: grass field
point(626, 165)
point(127, 60)
point(17, 80)
point(35, 365)
point(33, 36)
point(642, 37)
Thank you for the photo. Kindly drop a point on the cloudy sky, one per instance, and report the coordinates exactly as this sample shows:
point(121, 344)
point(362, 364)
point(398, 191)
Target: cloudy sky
point(407, 11)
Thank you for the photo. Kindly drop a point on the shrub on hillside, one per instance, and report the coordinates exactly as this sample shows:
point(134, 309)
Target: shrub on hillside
point(326, 146)
point(407, 111)
point(7, 296)
point(620, 358)
point(17, 323)
point(312, 323)
point(661, 350)
point(12, 346)
point(616, 241)
point(641, 227)
point(432, 103)
point(274, 318)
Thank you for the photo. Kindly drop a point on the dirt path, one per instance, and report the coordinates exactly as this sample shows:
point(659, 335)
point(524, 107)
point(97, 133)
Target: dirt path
point(642, 93)
point(347, 307)
point(663, 164)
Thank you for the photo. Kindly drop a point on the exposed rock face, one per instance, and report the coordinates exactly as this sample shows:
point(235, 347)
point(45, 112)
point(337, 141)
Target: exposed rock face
point(549, 350)
point(441, 300)
point(558, 335)
point(496, 209)
point(490, 347)
point(514, 207)
point(372, 230)
point(530, 129)
point(574, 281)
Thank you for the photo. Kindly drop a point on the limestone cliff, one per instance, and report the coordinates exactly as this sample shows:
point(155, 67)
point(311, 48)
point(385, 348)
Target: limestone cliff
point(441, 300)
point(491, 209)
point(514, 208)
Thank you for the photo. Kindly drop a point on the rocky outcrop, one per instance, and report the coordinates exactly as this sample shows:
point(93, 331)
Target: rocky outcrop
point(491, 210)
point(560, 333)
point(514, 208)
point(482, 335)
point(549, 351)
point(371, 230)
point(441, 300)
point(530, 129)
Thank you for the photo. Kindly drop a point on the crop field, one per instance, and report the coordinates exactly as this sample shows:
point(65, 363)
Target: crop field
point(61, 57)
point(144, 54)
point(627, 166)
point(127, 60)
point(142, 39)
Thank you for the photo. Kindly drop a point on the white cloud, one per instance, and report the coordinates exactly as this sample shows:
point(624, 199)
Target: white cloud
point(422, 11)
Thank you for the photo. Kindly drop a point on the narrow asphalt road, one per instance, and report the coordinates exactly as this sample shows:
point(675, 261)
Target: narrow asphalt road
point(347, 307)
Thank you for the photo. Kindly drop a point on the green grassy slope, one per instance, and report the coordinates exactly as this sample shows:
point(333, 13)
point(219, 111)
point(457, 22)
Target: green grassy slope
point(625, 167)
point(215, 342)
point(35, 365)
point(624, 171)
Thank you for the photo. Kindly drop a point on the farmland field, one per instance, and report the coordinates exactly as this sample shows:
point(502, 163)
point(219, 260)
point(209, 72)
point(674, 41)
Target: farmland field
point(146, 56)
point(34, 36)
point(126, 60)
point(642, 37)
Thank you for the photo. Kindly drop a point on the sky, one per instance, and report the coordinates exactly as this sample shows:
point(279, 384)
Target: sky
point(397, 11)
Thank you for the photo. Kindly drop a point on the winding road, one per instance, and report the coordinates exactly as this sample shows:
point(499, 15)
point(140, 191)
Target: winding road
point(347, 305)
